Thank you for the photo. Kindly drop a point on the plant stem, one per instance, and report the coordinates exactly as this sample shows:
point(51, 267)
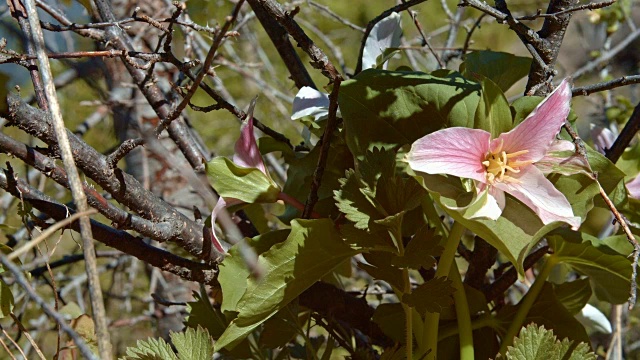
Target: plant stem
point(462, 314)
point(396, 234)
point(432, 320)
point(526, 303)
point(296, 204)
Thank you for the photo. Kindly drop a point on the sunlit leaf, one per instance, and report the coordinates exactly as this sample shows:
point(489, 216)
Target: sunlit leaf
point(537, 343)
point(312, 250)
point(247, 184)
point(193, 344)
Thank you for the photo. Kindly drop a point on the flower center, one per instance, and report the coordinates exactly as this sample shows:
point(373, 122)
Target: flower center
point(500, 164)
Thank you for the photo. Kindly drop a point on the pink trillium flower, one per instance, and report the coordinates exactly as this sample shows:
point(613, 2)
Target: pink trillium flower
point(246, 155)
point(603, 140)
point(506, 164)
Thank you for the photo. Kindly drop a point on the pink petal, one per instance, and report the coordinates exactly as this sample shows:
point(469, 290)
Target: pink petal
point(246, 149)
point(221, 204)
point(633, 187)
point(539, 194)
point(603, 138)
point(562, 158)
point(539, 129)
point(454, 151)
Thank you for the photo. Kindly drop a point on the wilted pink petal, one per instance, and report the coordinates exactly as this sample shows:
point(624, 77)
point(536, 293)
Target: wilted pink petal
point(455, 151)
point(539, 194)
point(633, 187)
point(221, 204)
point(536, 133)
point(247, 153)
point(603, 138)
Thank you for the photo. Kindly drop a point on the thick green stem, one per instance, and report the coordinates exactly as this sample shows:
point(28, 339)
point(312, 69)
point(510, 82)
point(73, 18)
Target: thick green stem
point(408, 312)
point(432, 320)
point(462, 314)
point(526, 303)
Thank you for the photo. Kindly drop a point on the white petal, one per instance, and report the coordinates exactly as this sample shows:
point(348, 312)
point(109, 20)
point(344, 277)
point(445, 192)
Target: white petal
point(593, 318)
point(384, 35)
point(310, 102)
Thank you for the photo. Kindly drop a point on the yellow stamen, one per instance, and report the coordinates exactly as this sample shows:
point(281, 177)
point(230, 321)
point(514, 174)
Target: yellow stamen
point(499, 164)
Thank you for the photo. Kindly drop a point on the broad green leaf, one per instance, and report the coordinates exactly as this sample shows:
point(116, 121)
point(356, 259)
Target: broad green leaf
point(537, 343)
point(513, 234)
point(573, 295)
point(247, 184)
point(202, 314)
point(312, 250)
point(267, 144)
point(280, 328)
point(300, 175)
point(6, 299)
point(432, 296)
point(379, 267)
point(609, 271)
point(503, 69)
point(354, 204)
point(547, 311)
point(151, 349)
point(193, 344)
point(421, 250)
point(234, 273)
point(493, 113)
point(391, 319)
point(389, 109)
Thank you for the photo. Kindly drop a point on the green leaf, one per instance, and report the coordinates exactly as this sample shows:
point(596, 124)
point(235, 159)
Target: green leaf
point(193, 344)
point(513, 234)
point(300, 175)
point(493, 113)
point(389, 109)
point(573, 295)
point(6, 299)
point(234, 273)
point(537, 343)
point(280, 328)
point(247, 184)
point(503, 69)
point(151, 349)
point(433, 296)
point(202, 314)
point(421, 250)
point(312, 250)
point(609, 271)
point(391, 319)
point(379, 267)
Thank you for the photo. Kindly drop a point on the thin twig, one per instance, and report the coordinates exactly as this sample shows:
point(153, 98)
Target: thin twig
point(332, 123)
point(95, 292)
point(596, 63)
point(626, 135)
point(580, 150)
point(325, 10)
point(425, 40)
point(56, 316)
point(205, 66)
point(14, 344)
point(608, 85)
point(590, 6)
point(50, 230)
point(28, 336)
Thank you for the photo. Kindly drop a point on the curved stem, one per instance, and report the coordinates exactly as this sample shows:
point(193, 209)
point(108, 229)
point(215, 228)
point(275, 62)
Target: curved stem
point(431, 320)
point(526, 303)
point(462, 314)
point(296, 204)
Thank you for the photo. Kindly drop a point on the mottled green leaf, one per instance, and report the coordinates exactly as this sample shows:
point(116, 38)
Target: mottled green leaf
point(6, 299)
point(234, 273)
point(151, 349)
point(312, 250)
point(389, 109)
